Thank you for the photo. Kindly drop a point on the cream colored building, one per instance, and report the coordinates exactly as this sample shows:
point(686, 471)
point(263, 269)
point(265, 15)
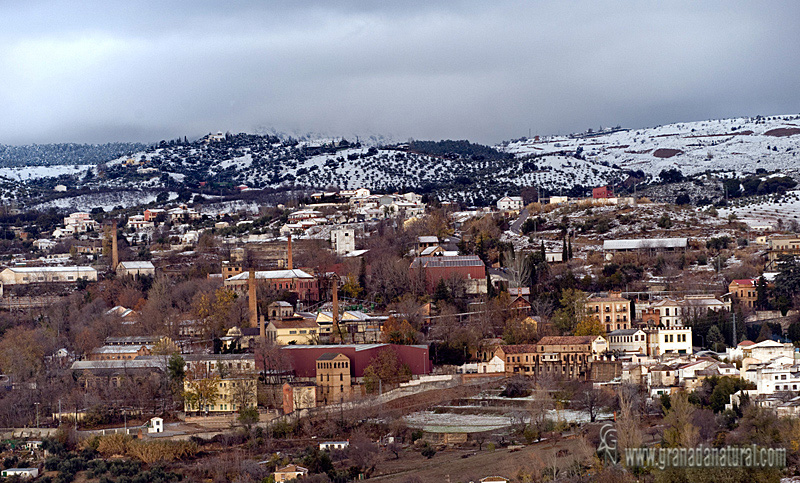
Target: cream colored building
point(782, 245)
point(288, 473)
point(669, 340)
point(27, 275)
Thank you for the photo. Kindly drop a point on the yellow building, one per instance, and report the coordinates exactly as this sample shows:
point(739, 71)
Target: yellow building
point(228, 396)
point(220, 383)
point(782, 245)
point(293, 331)
point(333, 377)
point(288, 473)
point(614, 311)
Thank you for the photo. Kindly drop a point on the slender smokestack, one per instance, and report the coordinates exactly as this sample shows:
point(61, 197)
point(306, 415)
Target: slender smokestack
point(253, 305)
point(114, 251)
point(289, 253)
point(335, 310)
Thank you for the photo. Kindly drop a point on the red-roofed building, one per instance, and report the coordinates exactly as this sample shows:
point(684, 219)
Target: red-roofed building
point(744, 290)
point(469, 268)
point(303, 358)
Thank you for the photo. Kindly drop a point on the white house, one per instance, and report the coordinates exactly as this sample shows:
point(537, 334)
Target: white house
point(768, 350)
point(136, 269)
point(21, 472)
point(80, 222)
point(343, 240)
point(44, 244)
point(138, 222)
point(554, 256)
point(494, 365)
point(628, 341)
point(777, 375)
point(156, 425)
point(331, 445)
point(509, 203)
point(300, 215)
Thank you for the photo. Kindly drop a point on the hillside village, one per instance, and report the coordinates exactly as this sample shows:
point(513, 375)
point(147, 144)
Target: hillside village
point(387, 327)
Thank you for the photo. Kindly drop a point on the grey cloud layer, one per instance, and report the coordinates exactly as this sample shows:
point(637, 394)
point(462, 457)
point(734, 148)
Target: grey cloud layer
point(486, 71)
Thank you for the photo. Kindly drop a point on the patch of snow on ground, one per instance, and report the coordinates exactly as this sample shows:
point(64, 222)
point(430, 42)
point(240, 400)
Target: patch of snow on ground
point(107, 201)
point(23, 173)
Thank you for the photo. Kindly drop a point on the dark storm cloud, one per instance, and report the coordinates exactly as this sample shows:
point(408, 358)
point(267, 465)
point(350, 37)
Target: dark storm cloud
point(487, 71)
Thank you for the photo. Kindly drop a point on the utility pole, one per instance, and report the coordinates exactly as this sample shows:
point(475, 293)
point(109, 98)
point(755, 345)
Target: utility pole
point(733, 328)
point(37, 414)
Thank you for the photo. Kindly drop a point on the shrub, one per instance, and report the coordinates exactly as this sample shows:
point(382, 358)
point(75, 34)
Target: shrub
point(153, 451)
point(113, 444)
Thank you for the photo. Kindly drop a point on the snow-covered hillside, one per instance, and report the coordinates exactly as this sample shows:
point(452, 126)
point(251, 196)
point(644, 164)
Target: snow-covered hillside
point(776, 211)
point(452, 170)
point(739, 145)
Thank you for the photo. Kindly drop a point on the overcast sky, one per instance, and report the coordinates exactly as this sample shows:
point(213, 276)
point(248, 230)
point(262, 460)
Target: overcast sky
point(485, 70)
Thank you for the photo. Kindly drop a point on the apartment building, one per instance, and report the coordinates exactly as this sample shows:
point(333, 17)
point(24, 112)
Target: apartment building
point(612, 311)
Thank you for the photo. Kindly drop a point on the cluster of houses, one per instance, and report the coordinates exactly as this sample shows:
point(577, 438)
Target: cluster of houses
point(359, 204)
point(643, 341)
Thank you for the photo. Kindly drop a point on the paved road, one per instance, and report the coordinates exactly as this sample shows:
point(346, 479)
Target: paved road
point(517, 225)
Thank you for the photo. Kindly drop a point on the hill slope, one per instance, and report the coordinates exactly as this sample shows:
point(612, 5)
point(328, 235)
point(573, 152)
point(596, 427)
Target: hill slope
point(454, 170)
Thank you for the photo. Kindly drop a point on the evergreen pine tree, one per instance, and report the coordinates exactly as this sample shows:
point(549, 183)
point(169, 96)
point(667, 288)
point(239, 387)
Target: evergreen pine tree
point(715, 339)
point(564, 251)
point(569, 250)
point(765, 333)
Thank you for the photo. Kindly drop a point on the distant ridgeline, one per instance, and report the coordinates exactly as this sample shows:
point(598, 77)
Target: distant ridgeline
point(65, 153)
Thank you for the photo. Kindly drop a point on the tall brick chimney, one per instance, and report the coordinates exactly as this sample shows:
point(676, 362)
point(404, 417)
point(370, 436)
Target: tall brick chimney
point(253, 302)
point(114, 250)
point(335, 309)
point(289, 253)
